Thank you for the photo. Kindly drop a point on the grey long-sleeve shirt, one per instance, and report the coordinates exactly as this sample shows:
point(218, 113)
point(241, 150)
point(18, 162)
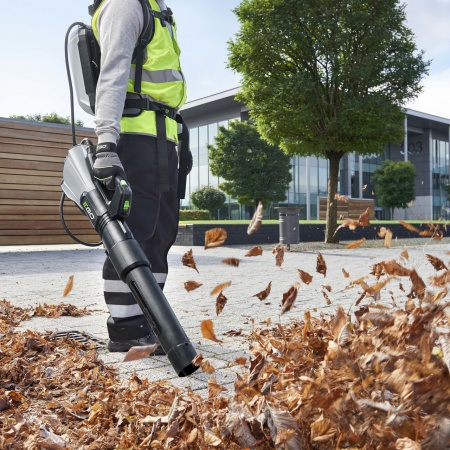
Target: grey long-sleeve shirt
point(119, 25)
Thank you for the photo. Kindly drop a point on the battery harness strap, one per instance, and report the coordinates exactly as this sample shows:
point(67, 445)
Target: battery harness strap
point(161, 111)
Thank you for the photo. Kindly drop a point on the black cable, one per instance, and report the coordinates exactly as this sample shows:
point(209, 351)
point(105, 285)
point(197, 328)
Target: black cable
point(61, 215)
point(74, 141)
point(66, 53)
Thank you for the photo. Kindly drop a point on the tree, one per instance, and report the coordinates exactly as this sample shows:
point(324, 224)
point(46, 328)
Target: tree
point(208, 197)
point(327, 77)
point(253, 170)
point(51, 118)
point(394, 184)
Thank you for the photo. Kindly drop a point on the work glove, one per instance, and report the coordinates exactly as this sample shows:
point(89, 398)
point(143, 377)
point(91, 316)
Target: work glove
point(107, 165)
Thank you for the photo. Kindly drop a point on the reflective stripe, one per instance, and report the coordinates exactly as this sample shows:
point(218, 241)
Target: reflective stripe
point(158, 76)
point(124, 310)
point(120, 286)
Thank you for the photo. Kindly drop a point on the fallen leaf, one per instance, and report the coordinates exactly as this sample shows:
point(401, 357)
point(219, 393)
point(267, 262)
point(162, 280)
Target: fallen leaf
point(289, 298)
point(192, 285)
point(279, 255)
point(265, 293)
point(350, 223)
point(326, 297)
point(207, 328)
point(140, 352)
point(254, 251)
point(68, 287)
point(231, 262)
point(409, 227)
point(437, 263)
point(188, 260)
point(221, 301)
point(341, 198)
point(404, 254)
point(418, 286)
point(387, 239)
point(220, 287)
point(382, 232)
point(304, 276)
point(346, 274)
point(256, 220)
point(321, 266)
point(356, 244)
point(215, 237)
point(364, 218)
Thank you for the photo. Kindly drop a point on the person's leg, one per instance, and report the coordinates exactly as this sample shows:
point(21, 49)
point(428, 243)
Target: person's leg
point(152, 217)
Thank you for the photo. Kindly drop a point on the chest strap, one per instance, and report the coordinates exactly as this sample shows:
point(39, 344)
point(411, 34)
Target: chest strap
point(161, 112)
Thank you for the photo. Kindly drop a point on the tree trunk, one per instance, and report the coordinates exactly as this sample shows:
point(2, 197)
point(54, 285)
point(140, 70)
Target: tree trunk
point(331, 225)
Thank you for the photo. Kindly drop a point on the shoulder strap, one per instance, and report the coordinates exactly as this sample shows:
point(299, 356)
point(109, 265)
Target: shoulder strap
point(92, 8)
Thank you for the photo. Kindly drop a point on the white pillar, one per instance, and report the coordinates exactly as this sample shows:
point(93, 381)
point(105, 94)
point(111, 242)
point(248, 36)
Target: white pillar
point(308, 191)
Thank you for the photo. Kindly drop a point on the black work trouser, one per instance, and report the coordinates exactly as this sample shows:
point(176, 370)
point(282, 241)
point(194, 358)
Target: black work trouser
point(153, 221)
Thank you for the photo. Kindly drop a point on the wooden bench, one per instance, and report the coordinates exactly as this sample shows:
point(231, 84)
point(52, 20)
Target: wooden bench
point(352, 208)
point(31, 161)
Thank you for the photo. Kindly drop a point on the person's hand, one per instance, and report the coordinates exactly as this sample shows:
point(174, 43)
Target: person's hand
point(107, 165)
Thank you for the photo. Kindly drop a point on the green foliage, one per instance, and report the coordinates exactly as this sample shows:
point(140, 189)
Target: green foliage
point(208, 197)
point(327, 77)
point(193, 214)
point(252, 169)
point(394, 184)
point(50, 118)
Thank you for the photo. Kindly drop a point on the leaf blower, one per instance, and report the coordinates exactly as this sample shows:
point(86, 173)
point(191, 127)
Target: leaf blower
point(107, 211)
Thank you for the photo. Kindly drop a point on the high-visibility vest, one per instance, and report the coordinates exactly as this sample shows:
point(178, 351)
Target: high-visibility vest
point(162, 78)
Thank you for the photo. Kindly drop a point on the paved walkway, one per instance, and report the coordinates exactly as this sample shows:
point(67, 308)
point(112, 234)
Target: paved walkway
point(38, 274)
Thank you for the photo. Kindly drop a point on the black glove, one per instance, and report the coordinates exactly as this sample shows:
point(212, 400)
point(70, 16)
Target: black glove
point(107, 165)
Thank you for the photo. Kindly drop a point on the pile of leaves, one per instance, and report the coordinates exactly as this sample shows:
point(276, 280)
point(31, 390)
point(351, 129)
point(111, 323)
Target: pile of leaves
point(376, 379)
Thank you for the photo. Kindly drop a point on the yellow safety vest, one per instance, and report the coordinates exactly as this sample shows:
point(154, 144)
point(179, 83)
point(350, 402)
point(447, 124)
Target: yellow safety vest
point(162, 78)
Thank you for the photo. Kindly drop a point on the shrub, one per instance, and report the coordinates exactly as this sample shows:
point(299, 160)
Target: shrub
point(194, 214)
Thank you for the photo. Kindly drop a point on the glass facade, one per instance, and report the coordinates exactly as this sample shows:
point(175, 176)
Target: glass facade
point(440, 177)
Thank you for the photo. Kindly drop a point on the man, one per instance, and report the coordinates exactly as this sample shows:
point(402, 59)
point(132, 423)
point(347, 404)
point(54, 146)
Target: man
point(135, 121)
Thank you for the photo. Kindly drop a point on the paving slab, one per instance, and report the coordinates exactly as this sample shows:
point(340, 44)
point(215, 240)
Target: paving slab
point(33, 275)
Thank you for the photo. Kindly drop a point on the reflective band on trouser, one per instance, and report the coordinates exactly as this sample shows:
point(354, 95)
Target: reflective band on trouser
point(158, 76)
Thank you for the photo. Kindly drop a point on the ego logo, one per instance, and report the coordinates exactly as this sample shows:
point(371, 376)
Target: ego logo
point(88, 211)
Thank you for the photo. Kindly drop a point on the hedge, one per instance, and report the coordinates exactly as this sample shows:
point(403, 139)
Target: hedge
point(194, 214)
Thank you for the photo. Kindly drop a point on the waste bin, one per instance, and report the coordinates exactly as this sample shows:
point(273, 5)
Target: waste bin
point(289, 227)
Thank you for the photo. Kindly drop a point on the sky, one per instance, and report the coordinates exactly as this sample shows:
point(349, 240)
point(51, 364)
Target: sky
point(33, 76)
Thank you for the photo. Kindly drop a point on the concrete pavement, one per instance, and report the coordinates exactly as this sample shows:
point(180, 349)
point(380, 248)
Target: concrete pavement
point(38, 274)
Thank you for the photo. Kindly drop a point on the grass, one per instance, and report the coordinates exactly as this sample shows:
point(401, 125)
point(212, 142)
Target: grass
point(302, 222)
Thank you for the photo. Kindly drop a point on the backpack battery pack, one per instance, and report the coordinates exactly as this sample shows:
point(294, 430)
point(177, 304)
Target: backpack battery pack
point(84, 58)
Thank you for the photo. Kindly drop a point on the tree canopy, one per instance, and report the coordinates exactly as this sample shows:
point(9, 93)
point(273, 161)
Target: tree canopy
point(394, 184)
point(327, 77)
point(209, 198)
point(50, 118)
point(252, 169)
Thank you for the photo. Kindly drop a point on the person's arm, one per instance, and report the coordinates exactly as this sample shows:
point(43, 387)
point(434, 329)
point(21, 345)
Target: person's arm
point(119, 25)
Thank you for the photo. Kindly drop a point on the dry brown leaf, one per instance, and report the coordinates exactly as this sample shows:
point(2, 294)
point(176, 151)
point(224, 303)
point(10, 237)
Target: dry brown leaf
point(192, 285)
point(221, 301)
point(326, 297)
point(388, 239)
point(255, 251)
point(210, 438)
point(207, 328)
point(339, 320)
point(346, 274)
point(437, 263)
point(327, 287)
point(279, 255)
point(418, 286)
point(289, 298)
point(231, 262)
point(356, 244)
point(404, 254)
point(215, 237)
point(322, 430)
point(188, 260)
point(256, 220)
point(220, 288)
point(321, 266)
point(68, 287)
point(241, 360)
point(382, 232)
point(339, 197)
point(364, 218)
point(392, 267)
point(304, 276)
point(409, 227)
point(197, 360)
point(265, 293)
point(347, 222)
point(139, 352)
point(206, 366)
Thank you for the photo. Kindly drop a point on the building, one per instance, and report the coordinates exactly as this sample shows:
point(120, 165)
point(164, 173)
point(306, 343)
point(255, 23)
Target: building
point(426, 145)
